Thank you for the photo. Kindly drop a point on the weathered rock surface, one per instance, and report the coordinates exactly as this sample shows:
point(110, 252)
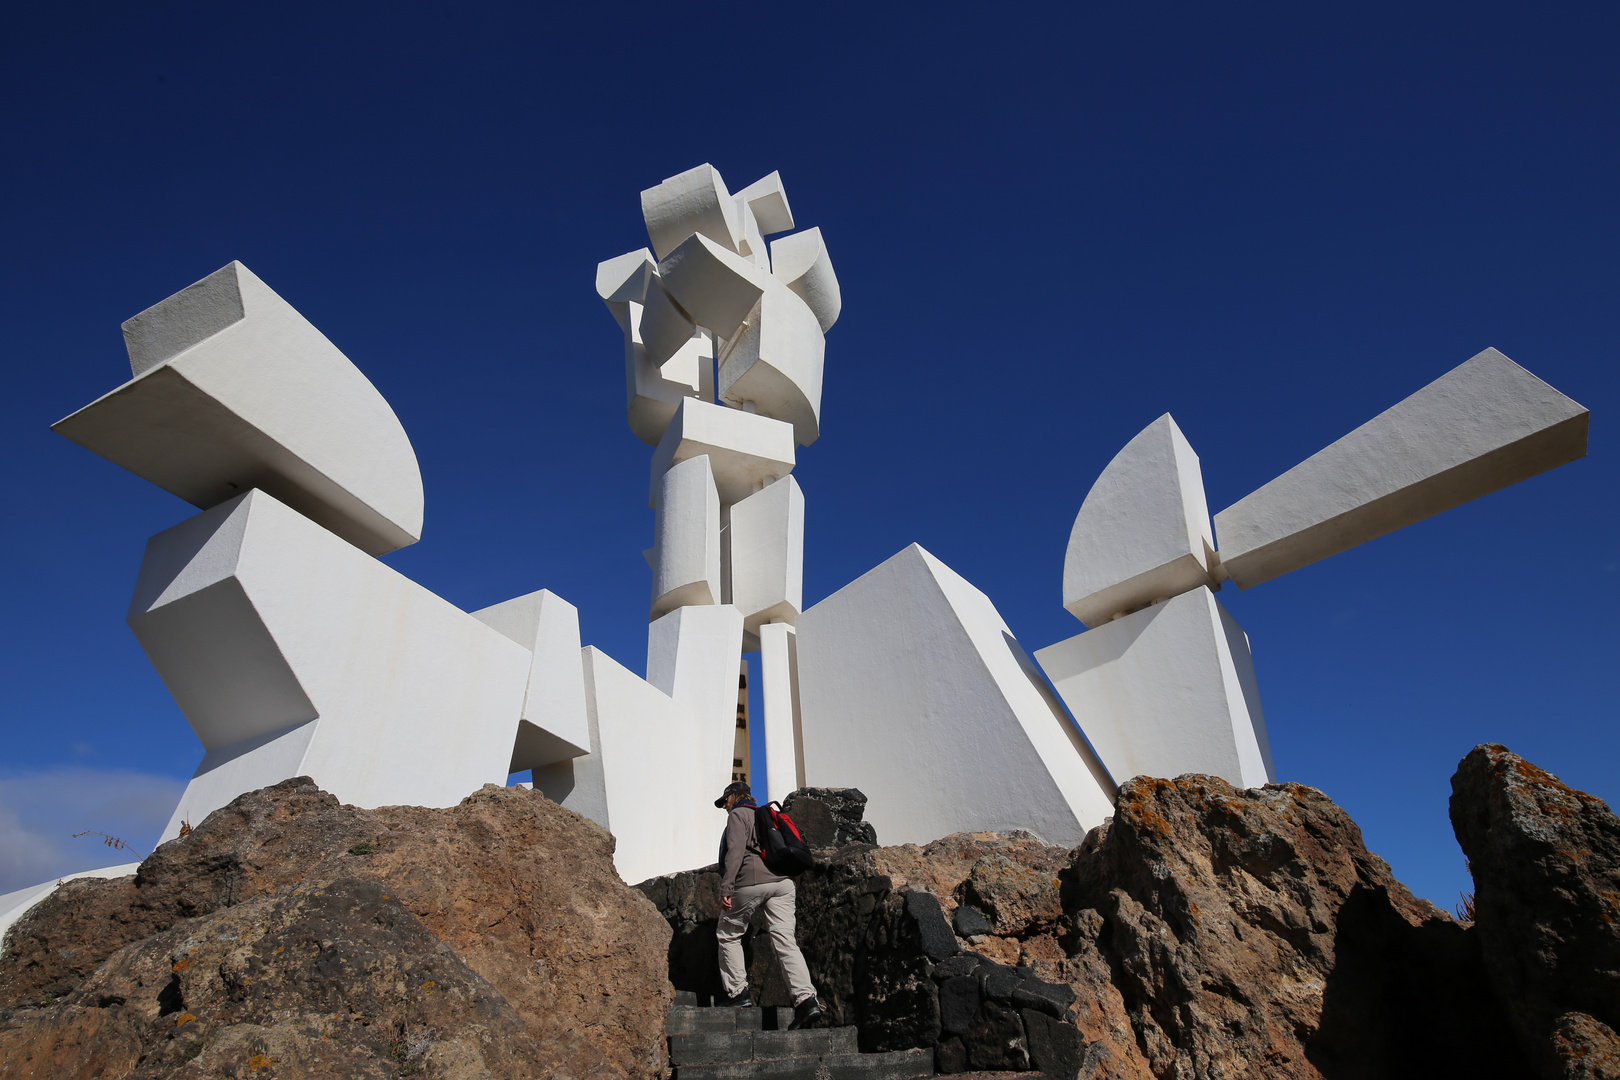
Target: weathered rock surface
point(1546, 865)
point(521, 892)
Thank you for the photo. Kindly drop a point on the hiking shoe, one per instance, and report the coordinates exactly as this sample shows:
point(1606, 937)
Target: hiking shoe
point(805, 1013)
point(741, 1001)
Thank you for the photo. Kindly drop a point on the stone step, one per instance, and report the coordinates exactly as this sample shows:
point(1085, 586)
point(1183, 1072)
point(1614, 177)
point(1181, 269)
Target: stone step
point(708, 1019)
point(729, 1047)
point(896, 1065)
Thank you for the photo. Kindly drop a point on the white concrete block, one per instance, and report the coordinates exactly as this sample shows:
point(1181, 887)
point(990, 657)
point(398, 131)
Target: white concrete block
point(234, 389)
point(767, 554)
point(692, 655)
point(686, 551)
point(714, 286)
point(752, 246)
point(653, 393)
point(1480, 427)
point(553, 725)
point(695, 201)
point(1143, 532)
point(768, 200)
point(652, 792)
point(623, 280)
point(783, 724)
point(664, 327)
point(259, 621)
point(773, 364)
point(14, 905)
point(746, 451)
point(802, 264)
point(1167, 690)
point(914, 690)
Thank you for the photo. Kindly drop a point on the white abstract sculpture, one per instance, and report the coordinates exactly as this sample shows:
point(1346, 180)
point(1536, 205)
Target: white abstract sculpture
point(289, 648)
point(728, 554)
point(914, 690)
point(1164, 683)
point(292, 650)
point(1478, 428)
point(233, 390)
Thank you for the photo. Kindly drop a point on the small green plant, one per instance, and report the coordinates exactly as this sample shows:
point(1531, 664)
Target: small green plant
point(364, 847)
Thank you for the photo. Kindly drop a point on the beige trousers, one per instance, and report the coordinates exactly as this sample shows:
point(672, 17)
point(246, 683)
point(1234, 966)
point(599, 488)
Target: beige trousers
point(778, 897)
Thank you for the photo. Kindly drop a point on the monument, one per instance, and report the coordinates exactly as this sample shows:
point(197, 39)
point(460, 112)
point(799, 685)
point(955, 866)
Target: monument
point(291, 649)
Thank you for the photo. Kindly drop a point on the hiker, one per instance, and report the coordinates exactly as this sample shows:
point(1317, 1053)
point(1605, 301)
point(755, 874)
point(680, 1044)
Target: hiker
point(746, 885)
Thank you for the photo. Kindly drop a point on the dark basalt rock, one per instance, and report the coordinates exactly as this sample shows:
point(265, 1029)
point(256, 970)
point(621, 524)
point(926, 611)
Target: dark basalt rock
point(1546, 866)
point(830, 818)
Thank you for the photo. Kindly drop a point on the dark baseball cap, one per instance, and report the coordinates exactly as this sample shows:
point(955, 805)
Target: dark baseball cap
point(736, 787)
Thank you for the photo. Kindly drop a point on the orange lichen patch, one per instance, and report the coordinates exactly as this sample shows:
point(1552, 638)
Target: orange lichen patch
point(183, 1018)
point(181, 965)
point(429, 985)
point(260, 1061)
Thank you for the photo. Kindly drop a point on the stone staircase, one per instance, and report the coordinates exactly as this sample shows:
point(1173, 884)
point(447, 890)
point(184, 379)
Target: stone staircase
point(719, 1043)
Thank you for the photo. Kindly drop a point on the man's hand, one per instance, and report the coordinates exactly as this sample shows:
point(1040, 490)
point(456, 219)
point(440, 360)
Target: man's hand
point(725, 902)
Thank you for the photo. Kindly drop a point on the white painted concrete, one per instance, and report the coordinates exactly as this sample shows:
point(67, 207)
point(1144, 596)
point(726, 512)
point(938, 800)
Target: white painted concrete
point(686, 548)
point(746, 451)
point(652, 391)
point(783, 720)
point(695, 201)
point(1167, 690)
point(1143, 532)
point(259, 621)
point(802, 264)
point(768, 200)
point(712, 284)
point(1480, 427)
point(914, 690)
point(665, 329)
point(553, 726)
point(652, 790)
point(767, 554)
point(14, 905)
point(692, 656)
point(234, 389)
point(774, 363)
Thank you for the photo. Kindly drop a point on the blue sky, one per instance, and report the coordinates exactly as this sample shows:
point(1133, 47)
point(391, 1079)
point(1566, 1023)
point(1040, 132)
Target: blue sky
point(1051, 226)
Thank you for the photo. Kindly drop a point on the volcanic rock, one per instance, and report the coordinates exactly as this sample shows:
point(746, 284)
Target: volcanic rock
point(1546, 866)
point(521, 891)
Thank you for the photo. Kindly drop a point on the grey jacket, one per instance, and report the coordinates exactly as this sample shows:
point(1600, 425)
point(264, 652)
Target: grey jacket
point(740, 863)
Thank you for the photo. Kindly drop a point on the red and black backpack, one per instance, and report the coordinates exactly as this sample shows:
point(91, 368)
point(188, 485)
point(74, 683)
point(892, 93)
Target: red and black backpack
point(781, 847)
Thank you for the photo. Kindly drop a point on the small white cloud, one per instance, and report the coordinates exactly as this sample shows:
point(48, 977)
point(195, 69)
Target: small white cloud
point(40, 812)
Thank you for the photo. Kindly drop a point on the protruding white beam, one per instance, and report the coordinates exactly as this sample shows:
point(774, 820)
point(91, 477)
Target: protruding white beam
point(1143, 532)
point(692, 655)
point(695, 201)
point(1478, 428)
point(768, 200)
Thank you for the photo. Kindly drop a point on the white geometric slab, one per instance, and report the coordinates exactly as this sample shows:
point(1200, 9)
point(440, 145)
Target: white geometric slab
point(802, 264)
point(1480, 427)
point(914, 690)
point(767, 554)
point(773, 365)
point(686, 538)
point(783, 724)
point(1167, 690)
point(695, 201)
point(768, 200)
point(692, 655)
point(291, 652)
point(747, 451)
point(1143, 532)
point(554, 725)
point(233, 390)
